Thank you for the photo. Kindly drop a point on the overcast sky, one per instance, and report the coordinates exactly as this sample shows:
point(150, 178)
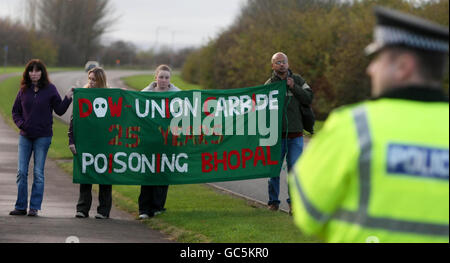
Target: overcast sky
point(178, 23)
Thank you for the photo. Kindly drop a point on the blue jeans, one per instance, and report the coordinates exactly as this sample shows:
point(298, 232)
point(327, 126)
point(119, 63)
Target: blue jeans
point(294, 150)
point(40, 148)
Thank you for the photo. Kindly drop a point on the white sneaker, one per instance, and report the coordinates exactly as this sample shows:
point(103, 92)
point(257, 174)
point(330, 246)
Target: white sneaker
point(80, 215)
point(100, 216)
point(144, 216)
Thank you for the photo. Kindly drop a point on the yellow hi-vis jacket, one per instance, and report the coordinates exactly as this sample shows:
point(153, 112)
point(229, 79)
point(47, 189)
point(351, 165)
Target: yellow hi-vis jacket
point(377, 172)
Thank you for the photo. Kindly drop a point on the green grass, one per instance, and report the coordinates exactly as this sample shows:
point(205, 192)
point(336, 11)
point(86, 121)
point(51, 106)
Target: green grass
point(8, 92)
point(195, 213)
point(139, 82)
point(8, 70)
point(210, 215)
point(16, 69)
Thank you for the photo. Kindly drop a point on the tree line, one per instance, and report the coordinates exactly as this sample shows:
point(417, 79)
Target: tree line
point(68, 33)
point(324, 40)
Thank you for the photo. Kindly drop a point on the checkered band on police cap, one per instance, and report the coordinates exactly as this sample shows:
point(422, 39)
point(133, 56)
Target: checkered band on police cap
point(392, 35)
point(396, 28)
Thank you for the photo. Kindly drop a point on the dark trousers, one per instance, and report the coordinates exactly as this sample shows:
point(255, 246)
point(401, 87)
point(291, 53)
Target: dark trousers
point(104, 199)
point(152, 198)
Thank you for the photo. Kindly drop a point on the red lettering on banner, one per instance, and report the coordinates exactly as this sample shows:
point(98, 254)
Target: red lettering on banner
point(210, 161)
point(164, 133)
point(116, 139)
point(259, 156)
point(189, 137)
point(178, 138)
point(269, 161)
point(167, 109)
point(129, 135)
point(234, 167)
point(203, 130)
point(175, 141)
point(253, 101)
point(205, 105)
point(110, 163)
point(80, 107)
point(115, 108)
point(176, 132)
point(219, 140)
point(201, 139)
point(206, 162)
point(223, 161)
point(133, 136)
point(246, 158)
point(158, 163)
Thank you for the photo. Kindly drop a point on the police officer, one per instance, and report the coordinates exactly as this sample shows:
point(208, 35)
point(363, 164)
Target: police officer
point(378, 171)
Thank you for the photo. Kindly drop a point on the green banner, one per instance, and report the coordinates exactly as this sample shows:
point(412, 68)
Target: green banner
point(160, 138)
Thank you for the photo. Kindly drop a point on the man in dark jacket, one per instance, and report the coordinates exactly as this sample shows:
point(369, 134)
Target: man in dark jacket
point(298, 92)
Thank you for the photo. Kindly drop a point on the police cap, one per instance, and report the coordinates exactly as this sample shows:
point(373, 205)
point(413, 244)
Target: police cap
point(394, 28)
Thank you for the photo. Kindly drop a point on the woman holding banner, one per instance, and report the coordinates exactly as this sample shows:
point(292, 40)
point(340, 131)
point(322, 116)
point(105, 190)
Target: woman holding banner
point(96, 79)
point(32, 112)
point(153, 197)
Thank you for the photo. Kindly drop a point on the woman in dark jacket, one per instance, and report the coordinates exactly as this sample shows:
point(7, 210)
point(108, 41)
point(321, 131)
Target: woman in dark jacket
point(32, 112)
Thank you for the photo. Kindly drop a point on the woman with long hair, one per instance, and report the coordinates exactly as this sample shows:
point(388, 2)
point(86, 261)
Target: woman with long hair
point(32, 112)
point(96, 80)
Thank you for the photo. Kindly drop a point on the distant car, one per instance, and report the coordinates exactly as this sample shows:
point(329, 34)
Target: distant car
point(90, 65)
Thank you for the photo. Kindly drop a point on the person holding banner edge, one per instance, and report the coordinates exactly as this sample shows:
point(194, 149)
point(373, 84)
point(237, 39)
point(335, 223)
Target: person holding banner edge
point(32, 113)
point(153, 197)
point(298, 93)
point(96, 79)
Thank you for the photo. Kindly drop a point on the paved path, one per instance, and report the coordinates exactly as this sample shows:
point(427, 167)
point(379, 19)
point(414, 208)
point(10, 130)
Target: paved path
point(56, 221)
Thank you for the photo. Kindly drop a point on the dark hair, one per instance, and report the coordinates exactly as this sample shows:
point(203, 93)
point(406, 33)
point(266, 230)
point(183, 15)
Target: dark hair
point(39, 66)
point(432, 65)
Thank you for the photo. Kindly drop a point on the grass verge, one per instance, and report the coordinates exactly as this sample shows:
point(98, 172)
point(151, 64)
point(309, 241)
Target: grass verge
point(195, 213)
point(139, 82)
point(8, 70)
point(17, 69)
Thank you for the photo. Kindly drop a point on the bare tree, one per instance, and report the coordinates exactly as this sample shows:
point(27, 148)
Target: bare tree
point(30, 7)
point(76, 26)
